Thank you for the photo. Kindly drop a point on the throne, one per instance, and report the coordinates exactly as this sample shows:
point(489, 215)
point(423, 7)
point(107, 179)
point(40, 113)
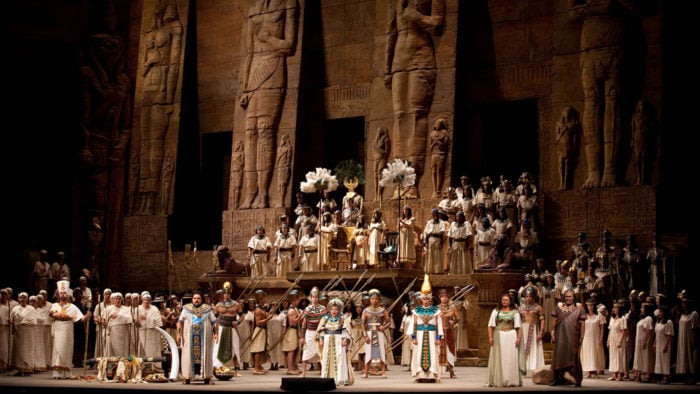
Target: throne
point(341, 250)
point(387, 250)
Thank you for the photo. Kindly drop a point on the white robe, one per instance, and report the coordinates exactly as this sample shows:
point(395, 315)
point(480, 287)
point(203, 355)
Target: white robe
point(204, 322)
point(63, 334)
point(150, 344)
point(118, 331)
point(426, 321)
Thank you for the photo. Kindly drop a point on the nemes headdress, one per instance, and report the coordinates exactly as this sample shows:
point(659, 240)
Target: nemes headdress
point(227, 288)
point(426, 290)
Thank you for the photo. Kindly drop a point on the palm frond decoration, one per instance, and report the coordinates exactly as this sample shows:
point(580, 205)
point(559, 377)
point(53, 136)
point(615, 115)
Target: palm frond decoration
point(349, 169)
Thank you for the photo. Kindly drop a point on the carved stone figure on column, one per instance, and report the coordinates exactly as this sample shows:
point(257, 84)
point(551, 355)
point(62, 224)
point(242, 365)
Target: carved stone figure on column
point(381, 149)
point(644, 135)
point(603, 36)
point(439, 146)
point(106, 126)
point(271, 37)
point(410, 73)
point(284, 168)
point(106, 129)
point(161, 70)
point(568, 130)
point(237, 163)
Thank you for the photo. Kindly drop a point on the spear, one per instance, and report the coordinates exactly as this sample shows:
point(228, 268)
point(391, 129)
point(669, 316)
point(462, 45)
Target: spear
point(251, 286)
point(328, 285)
point(356, 283)
point(463, 291)
point(359, 291)
point(403, 293)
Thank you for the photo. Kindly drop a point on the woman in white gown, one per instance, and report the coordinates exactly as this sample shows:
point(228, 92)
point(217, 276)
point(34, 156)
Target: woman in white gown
point(643, 364)
point(592, 350)
point(504, 339)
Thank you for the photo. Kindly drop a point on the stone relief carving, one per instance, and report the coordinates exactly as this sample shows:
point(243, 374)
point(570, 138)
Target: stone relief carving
point(568, 130)
point(270, 39)
point(380, 152)
point(284, 167)
point(439, 148)
point(106, 118)
point(603, 37)
point(410, 74)
point(644, 142)
point(161, 69)
point(237, 165)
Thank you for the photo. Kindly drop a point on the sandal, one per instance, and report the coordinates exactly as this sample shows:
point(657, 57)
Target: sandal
point(383, 375)
point(364, 374)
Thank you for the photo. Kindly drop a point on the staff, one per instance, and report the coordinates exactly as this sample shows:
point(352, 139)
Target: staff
point(87, 336)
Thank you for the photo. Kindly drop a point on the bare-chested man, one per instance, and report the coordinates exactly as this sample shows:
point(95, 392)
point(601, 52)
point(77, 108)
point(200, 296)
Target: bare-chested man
point(532, 317)
point(227, 348)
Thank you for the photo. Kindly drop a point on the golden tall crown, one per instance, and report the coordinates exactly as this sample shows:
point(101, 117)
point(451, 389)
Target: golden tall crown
point(425, 288)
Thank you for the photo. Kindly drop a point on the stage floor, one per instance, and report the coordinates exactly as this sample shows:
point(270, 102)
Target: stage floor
point(469, 379)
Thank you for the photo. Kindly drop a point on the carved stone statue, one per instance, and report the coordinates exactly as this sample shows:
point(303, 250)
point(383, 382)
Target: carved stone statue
point(381, 149)
point(439, 148)
point(603, 37)
point(271, 37)
point(568, 130)
point(411, 73)
point(161, 70)
point(644, 135)
point(284, 167)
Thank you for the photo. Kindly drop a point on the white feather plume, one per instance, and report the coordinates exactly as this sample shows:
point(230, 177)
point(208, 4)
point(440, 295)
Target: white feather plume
point(399, 173)
point(319, 180)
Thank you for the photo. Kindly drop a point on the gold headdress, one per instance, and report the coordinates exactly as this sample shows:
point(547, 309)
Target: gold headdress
point(426, 289)
point(228, 287)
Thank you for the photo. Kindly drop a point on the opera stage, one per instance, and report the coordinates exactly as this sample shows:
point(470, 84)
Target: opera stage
point(469, 379)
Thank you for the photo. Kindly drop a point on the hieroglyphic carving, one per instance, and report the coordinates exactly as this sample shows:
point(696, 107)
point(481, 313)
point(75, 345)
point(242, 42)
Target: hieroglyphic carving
point(270, 39)
point(145, 234)
point(411, 73)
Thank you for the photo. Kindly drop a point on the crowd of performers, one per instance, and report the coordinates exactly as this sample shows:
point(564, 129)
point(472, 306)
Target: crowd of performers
point(639, 337)
point(338, 336)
